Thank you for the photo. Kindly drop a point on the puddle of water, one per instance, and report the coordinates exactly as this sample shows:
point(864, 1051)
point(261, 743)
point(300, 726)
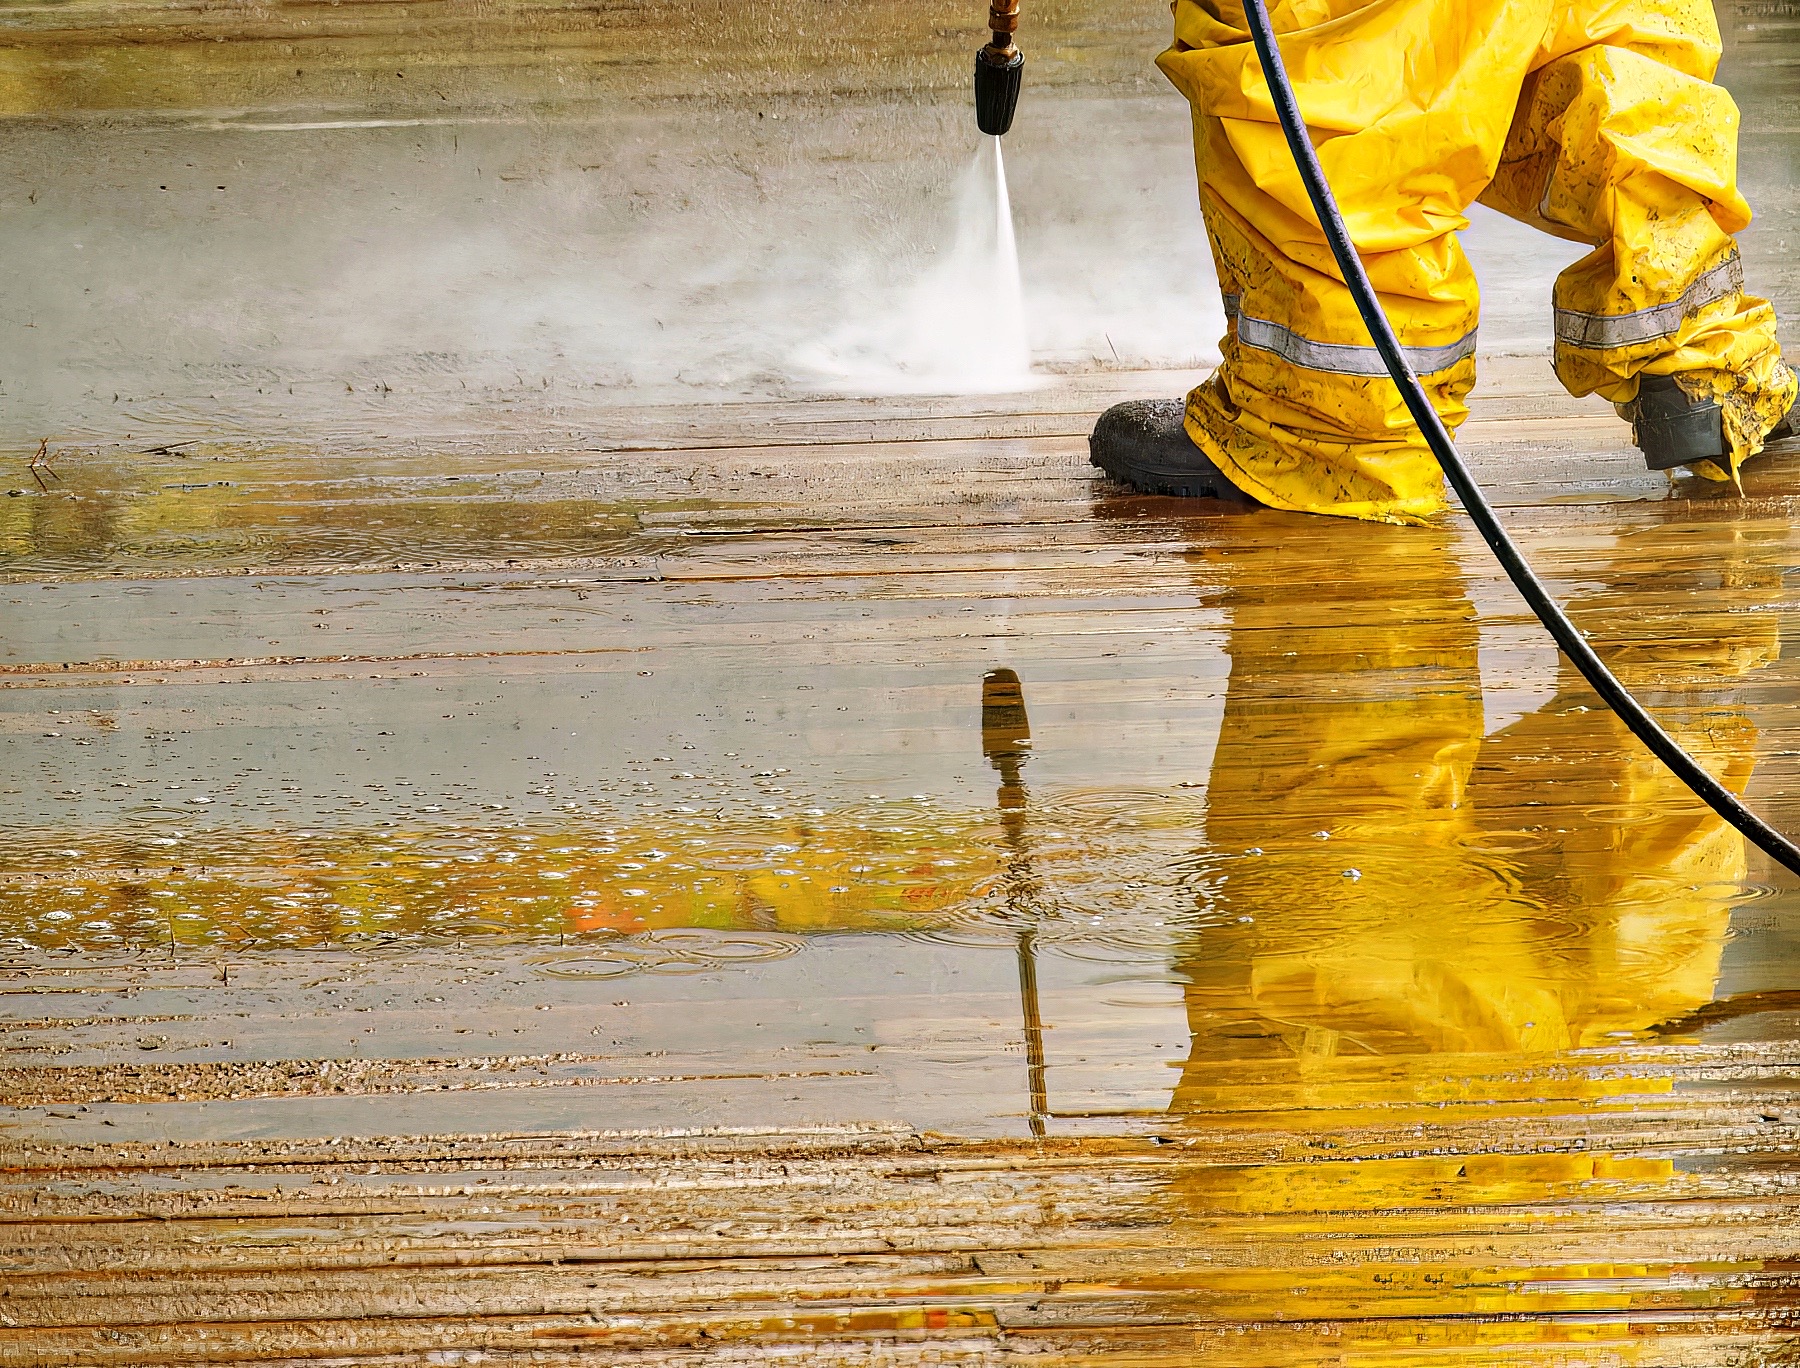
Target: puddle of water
point(1366, 864)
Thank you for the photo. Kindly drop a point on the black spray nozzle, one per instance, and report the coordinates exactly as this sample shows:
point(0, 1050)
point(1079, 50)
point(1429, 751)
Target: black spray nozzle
point(997, 76)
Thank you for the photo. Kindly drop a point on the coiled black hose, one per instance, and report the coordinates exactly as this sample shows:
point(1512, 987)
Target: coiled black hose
point(1614, 694)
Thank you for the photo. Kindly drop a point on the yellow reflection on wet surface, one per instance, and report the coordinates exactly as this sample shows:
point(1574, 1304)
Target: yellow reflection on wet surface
point(886, 872)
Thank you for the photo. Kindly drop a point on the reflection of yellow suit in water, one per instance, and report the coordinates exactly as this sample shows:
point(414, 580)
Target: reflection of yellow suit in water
point(1411, 888)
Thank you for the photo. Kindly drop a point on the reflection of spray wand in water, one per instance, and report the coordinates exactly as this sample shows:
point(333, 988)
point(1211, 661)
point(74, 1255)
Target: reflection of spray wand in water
point(1006, 742)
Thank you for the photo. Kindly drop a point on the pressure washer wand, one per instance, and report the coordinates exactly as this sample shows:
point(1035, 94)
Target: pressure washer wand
point(1574, 645)
point(999, 67)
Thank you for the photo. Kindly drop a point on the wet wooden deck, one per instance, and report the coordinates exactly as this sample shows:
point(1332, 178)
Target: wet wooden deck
point(523, 901)
point(518, 849)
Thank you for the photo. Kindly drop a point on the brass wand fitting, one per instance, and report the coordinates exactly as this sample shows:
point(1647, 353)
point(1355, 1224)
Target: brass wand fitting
point(1003, 22)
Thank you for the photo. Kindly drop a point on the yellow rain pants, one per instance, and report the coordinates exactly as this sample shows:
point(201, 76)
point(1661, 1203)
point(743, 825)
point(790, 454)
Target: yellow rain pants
point(1595, 120)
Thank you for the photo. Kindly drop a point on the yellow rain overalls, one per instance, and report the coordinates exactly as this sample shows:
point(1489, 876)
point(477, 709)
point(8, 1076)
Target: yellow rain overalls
point(1595, 120)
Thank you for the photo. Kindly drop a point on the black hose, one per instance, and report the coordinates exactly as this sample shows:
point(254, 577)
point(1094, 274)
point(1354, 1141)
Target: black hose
point(1614, 694)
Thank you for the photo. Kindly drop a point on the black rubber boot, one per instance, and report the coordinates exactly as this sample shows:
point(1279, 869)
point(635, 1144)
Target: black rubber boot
point(1144, 444)
point(1671, 427)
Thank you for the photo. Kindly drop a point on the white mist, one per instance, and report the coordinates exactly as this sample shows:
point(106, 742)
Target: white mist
point(960, 327)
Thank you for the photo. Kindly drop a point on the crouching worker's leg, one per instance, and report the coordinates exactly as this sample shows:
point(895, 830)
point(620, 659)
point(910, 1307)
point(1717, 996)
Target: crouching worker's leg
point(1623, 141)
point(1301, 413)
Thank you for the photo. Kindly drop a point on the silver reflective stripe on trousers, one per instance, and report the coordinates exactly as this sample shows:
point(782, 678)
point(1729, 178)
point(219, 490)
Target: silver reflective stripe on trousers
point(1339, 358)
point(1336, 357)
point(1603, 331)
